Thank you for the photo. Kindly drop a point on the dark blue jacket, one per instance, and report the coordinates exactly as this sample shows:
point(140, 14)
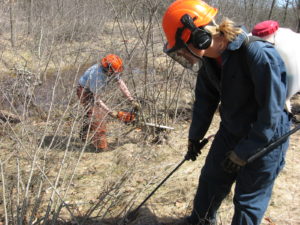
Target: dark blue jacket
point(252, 102)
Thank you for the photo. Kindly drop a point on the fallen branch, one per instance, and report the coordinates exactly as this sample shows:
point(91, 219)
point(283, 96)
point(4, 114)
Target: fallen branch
point(6, 116)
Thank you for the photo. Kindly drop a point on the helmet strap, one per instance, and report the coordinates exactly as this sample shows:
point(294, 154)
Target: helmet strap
point(188, 22)
point(179, 43)
point(194, 54)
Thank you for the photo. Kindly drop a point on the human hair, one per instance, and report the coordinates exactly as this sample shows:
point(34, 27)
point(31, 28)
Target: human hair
point(227, 28)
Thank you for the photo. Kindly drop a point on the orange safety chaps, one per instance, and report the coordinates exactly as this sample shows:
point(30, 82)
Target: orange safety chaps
point(94, 123)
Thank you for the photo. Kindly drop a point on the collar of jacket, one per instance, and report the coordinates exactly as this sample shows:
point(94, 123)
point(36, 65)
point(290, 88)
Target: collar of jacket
point(234, 45)
point(238, 41)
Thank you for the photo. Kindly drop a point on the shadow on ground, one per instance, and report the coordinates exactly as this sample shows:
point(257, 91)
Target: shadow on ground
point(144, 217)
point(61, 143)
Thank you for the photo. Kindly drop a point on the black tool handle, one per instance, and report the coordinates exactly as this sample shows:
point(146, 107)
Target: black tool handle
point(133, 213)
point(260, 152)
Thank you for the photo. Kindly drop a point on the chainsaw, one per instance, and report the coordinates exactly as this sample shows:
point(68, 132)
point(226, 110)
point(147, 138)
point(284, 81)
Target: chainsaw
point(131, 117)
point(126, 117)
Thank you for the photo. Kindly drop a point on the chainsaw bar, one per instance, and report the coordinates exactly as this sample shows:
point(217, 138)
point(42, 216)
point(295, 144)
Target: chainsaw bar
point(157, 126)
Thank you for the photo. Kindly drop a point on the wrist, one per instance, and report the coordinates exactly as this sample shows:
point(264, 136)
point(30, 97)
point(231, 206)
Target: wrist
point(113, 114)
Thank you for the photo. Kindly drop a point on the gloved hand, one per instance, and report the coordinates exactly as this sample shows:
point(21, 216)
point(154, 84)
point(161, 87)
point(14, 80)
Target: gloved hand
point(194, 149)
point(113, 114)
point(135, 105)
point(232, 163)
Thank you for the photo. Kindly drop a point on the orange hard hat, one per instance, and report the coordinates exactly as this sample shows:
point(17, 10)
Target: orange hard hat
point(201, 12)
point(112, 63)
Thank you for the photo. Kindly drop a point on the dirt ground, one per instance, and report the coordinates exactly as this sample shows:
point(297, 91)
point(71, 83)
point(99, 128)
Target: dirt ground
point(46, 172)
point(107, 185)
point(174, 198)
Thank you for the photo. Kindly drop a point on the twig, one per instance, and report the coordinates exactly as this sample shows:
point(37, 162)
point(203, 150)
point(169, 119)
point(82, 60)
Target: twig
point(3, 193)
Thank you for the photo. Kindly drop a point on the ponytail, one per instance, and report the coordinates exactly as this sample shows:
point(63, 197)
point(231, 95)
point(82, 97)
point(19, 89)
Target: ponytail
point(227, 28)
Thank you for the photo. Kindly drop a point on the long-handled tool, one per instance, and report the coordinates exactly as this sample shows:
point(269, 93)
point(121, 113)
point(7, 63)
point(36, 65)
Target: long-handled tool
point(133, 214)
point(273, 145)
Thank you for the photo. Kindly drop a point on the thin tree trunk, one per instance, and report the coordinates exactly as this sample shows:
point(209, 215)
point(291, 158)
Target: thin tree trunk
point(29, 18)
point(298, 12)
point(12, 24)
point(285, 10)
point(3, 193)
point(251, 10)
point(272, 7)
point(245, 7)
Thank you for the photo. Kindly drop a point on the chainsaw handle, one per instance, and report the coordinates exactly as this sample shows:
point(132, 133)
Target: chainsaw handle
point(125, 117)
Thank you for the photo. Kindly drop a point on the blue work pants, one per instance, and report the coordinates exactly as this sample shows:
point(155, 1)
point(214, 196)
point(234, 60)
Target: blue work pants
point(254, 182)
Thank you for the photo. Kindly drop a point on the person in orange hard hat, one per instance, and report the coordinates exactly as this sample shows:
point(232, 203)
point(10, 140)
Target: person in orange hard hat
point(90, 87)
point(178, 35)
point(251, 99)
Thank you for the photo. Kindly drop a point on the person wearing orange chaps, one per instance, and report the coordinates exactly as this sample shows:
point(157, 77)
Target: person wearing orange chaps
point(94, 122)
point(90, 87)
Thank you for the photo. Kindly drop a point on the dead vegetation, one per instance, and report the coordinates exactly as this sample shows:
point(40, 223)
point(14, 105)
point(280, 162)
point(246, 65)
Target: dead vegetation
point(48, 176)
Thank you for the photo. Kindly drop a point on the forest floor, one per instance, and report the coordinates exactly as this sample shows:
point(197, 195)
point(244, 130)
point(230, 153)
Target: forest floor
point(174, 199)
point(107, 184)
point(101, 187)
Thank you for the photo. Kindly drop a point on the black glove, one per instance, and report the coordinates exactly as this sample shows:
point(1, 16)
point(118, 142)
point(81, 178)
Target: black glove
point(194, 149)
point(232, 163)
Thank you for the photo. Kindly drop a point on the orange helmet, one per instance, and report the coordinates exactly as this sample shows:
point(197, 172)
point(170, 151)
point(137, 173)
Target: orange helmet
point(200, 11)
point(112, 63)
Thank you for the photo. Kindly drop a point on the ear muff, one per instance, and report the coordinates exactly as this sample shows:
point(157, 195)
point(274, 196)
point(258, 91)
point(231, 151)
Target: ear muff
point(200, 38)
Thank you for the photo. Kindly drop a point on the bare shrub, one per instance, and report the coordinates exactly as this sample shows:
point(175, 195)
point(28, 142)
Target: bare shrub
point(48, 175)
